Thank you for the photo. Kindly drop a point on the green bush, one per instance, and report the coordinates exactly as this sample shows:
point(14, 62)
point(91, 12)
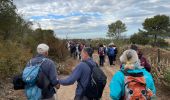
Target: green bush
point(13, 59)
point(162, 43)
point(139, 39)
point(166, 80)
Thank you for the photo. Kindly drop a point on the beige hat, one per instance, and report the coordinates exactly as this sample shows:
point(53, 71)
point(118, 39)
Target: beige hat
point(111, 44)
point(42, 48)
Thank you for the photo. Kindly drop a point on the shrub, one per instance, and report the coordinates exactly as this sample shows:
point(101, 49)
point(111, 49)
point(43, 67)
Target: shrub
point(162, 43)
point(167, 78)
point(139, 39)
point(13, 58)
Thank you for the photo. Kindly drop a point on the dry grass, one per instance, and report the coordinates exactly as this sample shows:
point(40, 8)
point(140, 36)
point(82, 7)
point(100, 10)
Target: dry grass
point(167, 40)
point(67, 66)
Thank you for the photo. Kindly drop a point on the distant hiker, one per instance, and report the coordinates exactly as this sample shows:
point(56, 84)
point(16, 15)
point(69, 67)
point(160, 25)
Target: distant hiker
point(80, 48)
point(77, 50)
point(92, 51)
point(105, 49)
point(101, 53)
point(68, 45)
point(40, 76)
point(143, 60)
point(73, 50)
point(132, 82)
point(115, 53)
point(89, 86)
point(111, 53)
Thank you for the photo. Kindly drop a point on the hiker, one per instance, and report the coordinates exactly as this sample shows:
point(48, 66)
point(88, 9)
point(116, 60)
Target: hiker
point(115, 53)
point(105, 49)
point(101, 53)
point(48, 69)
point(111, 53)
point(82, 74)
point(77, 51)
point(73, 49)
point(92, 51)
point(143, 60)
point(68, 45)
point(132, 82)
point(80, 48)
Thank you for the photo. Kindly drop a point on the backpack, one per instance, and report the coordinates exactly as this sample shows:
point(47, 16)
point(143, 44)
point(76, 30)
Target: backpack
point(111, 51)
point(30, 76)
point(96, 83)
point(101, 51)
point(18, 83)
point(80, 47)
point(135, 87)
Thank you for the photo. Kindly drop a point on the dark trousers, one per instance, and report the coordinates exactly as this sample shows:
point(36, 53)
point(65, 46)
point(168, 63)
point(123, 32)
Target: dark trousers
point(101, 61)
point(83, 98)
point(114, 58)
point(73, 54)
point(80, 98)
point(111, 58)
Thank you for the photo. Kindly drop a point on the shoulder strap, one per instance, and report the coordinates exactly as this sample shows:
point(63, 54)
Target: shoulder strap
point(41, 64)
point(91, 68)
point(89, 65)
point(42, 61)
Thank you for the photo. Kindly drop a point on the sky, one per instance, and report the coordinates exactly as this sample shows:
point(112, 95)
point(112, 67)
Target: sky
point(89, 18)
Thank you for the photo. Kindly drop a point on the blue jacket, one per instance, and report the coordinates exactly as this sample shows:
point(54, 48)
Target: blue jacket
point(111, 51)
point(49, 69)
point(80, 74)
point(117, 83)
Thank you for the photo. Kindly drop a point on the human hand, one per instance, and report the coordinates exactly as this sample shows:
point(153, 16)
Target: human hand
point(57, 86)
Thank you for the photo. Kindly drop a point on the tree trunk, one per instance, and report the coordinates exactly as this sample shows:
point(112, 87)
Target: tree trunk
point(155, 40)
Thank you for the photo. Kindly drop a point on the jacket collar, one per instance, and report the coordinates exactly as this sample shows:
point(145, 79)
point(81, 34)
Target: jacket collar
point(40, 55)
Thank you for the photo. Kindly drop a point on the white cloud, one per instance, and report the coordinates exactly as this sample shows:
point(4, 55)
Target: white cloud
point(93, 16)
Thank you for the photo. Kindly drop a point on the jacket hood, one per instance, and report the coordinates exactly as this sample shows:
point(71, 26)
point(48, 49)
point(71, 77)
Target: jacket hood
point(136, 68)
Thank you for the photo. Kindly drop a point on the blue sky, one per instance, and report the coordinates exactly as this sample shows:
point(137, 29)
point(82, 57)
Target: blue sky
point(89, 18)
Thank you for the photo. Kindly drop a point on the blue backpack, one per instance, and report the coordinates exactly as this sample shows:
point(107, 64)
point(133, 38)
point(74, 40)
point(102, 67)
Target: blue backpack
point(29, 76)
point(111, 51)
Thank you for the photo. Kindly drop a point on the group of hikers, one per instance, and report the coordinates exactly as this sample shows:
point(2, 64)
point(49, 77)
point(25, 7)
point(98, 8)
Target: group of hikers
point(103, 51)
point(75, 49)
point(132, 82)
point(110, 51)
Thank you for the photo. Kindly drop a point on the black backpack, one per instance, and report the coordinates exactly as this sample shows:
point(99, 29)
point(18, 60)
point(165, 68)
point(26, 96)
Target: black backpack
point(18, 83)
point(96, 84)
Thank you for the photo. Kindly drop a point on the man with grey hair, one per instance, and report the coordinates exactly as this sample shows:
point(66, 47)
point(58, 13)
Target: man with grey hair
point(80, 74)
point(48, 68)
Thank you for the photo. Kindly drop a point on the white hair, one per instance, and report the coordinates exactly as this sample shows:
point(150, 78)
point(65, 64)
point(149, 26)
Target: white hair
point(42, 48)
point(129, 56)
